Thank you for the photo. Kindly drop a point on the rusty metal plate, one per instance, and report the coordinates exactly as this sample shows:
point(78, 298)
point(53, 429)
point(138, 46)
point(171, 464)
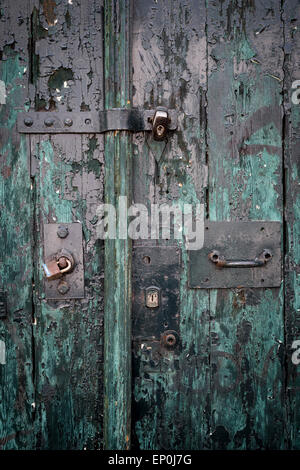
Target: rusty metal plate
point(73, 244)
point(238, 242)
point(156, 278)
point(134, 120)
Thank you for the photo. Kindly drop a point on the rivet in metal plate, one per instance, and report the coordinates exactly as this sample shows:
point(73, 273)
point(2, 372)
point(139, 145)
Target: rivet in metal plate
point(49, 122)
point(28, 121)
point(68, 122)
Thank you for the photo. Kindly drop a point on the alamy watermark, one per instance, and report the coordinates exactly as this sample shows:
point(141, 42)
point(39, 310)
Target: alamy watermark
point(159, 221)
point(296, 93)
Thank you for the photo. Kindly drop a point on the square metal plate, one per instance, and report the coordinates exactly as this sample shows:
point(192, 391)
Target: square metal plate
point(237, 241)
point(72, 243)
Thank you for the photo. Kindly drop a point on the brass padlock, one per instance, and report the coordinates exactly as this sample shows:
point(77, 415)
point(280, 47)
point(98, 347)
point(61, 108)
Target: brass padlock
point(160, 123)
point(53, 271)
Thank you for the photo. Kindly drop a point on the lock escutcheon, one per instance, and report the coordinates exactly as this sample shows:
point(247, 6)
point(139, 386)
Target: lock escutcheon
point(152, 297)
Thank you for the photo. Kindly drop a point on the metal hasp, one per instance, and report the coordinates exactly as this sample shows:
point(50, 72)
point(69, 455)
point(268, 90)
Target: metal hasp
point(237, 254)
point(63, 261)
point(155, 307)
point(134, 120)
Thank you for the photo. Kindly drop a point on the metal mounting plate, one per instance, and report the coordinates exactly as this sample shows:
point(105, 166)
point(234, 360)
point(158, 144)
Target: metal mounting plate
point(155, 267)
point(72, 243)
point(237, 241)
point(134, 120)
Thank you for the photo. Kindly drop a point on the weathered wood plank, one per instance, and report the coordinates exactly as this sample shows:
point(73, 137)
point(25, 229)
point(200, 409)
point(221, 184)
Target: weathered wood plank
point(118, 172)
point(68, 186)
point(291, 18)
point(245, 72)
point(171, 402)
point(17, 362)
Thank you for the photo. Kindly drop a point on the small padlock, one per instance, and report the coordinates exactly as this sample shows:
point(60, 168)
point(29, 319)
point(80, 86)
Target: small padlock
point(53, 271)
point(160, 123)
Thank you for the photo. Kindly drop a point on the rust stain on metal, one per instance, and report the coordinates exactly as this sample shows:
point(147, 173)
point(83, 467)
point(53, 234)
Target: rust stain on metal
point(49, 11)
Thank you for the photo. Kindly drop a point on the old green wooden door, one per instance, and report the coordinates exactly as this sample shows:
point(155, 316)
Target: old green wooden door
point(228, 70)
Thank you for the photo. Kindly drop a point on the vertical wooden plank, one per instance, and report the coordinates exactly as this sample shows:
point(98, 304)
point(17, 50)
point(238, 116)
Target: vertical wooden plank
point(17, 362)
point(291, 18)
point(68, 186)
point(117, 319)
point(245, 76)
point(171, 402)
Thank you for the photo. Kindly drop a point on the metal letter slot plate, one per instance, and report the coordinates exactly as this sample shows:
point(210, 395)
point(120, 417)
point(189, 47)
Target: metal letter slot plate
point(240, 243)
point(73, 243)
point(156, 273)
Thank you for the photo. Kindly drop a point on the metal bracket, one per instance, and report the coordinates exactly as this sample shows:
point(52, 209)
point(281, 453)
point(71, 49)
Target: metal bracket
point(59, 240)
point(134, 120)
point(237, 254)
point(155, 307)
point(156, 271)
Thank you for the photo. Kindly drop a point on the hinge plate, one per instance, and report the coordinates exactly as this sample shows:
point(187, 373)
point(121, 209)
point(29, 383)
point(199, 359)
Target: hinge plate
point(134, 120)
point(239, 241)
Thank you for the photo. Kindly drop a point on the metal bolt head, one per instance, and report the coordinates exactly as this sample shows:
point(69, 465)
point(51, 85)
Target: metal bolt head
point(28, 121)
point(68, 122)
point(49, 122)
point(62, 231)
point(63, 287)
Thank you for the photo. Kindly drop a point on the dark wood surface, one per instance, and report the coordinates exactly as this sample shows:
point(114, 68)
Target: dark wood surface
point(227, 67)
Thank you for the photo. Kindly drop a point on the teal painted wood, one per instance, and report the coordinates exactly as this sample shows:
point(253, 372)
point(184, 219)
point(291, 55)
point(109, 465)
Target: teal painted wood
point(16, 365)
point(291, 18)
point(68, 177)
point(171, 403)
point(236, 73)
point(244, 123)
point(117, 320)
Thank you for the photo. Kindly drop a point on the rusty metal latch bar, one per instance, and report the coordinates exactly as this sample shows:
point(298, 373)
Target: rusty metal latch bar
point(134, 120)
point(221, 262)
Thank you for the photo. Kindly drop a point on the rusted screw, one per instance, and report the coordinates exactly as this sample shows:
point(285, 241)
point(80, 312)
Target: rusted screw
point(63, 287)
point(62, 231)
point(28, 121)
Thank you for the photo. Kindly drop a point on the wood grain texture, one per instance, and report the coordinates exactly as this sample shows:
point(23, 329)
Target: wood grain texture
point(68, 187)
point(118, 173)
point(245, 72)
point(16, 374)
point(171, 403)
point(291, 16)
point(221, 65)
